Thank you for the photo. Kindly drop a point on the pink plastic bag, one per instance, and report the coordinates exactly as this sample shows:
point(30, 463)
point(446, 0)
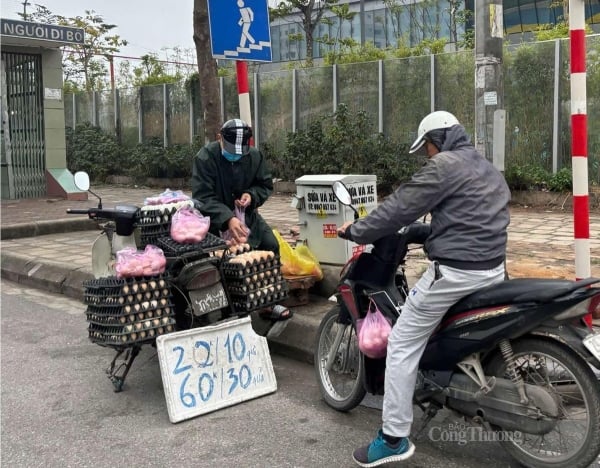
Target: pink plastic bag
point(168, 196)
point(373, 332)
point(188, 226)
point(240, 213)
point(148, 262)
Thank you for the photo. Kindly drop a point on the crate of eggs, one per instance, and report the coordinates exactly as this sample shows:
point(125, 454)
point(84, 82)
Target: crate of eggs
point(127, 311)
point(172, 248)
point(154, 221)
point(254, 280)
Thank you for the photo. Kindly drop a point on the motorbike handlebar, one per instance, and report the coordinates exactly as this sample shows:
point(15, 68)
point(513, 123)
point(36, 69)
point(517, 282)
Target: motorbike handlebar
point(76, 211)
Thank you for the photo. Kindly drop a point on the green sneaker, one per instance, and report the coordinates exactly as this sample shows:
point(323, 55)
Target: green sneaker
point(379, 452)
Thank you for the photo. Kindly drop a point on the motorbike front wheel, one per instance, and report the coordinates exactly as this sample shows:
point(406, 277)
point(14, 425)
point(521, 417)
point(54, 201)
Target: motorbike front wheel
point(574, 442)
point(341, 379)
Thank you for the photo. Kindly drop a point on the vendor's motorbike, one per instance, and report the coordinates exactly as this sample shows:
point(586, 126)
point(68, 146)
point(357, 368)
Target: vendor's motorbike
point(517, 358)
point(191, 293)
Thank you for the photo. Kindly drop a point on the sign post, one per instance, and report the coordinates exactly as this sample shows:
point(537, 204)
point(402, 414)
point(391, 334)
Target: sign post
point(239, 30)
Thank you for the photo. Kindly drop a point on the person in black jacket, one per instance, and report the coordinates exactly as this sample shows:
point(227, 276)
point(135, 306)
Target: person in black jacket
point(468, 201)
point(229, 173)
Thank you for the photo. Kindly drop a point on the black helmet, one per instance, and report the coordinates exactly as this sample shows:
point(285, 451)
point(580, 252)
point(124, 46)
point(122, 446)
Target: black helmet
point(236, 136)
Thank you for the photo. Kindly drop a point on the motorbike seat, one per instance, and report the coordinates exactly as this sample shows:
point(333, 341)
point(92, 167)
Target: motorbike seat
point(538, 290)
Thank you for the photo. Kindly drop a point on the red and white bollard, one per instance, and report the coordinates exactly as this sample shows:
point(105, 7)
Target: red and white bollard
point(241, 69)
point(579, 146)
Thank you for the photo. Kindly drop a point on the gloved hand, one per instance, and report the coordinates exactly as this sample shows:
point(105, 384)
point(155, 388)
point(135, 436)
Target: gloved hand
point(345, 230)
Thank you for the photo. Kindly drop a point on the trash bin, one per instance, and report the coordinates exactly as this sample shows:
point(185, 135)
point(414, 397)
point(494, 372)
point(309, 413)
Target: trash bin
point(320, 213)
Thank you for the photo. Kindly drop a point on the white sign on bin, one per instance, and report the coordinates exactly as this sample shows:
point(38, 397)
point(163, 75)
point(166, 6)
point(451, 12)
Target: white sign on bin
point(209, 368)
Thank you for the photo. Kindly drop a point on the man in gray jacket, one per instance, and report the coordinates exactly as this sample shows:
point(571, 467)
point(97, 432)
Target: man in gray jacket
point(468, 201)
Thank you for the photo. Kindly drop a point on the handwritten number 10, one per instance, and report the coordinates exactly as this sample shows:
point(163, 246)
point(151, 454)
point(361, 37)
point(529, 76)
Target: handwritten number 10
point(236, 345)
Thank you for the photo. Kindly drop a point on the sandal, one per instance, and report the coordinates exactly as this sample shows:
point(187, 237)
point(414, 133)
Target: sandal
point(276, 313)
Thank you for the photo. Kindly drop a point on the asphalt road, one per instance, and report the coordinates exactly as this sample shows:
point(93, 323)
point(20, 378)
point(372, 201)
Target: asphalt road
point(59, 408)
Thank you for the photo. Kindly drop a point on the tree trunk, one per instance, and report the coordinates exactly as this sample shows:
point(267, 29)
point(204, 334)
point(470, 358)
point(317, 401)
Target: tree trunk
point(207, 72)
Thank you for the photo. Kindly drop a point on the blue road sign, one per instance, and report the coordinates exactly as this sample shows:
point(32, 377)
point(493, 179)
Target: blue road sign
point(239, 29)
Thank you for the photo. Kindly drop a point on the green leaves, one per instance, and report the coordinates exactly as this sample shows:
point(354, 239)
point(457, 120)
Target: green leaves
point(343, 143)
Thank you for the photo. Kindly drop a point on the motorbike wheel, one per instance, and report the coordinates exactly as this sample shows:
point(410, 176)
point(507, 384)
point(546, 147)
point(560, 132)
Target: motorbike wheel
point(342, 385)
point(575, 440)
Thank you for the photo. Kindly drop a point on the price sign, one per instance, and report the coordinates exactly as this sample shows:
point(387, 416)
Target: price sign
point(209, 368)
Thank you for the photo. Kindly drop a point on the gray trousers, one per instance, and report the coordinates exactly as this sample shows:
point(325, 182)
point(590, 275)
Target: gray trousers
point(424, 309)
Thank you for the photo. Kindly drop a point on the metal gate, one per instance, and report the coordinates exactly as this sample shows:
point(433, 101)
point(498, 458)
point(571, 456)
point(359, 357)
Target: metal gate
point(24, 154)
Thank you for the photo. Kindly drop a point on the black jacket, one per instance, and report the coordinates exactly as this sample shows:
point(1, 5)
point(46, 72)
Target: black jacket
point(216, 183)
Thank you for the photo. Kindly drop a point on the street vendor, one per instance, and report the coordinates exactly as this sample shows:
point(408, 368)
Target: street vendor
point(227, 174)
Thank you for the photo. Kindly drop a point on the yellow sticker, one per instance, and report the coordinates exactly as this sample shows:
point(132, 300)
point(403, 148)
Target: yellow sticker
point(321, 213)
point(362, 211)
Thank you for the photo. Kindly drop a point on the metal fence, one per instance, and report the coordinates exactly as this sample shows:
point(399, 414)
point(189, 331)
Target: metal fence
point(396, 94)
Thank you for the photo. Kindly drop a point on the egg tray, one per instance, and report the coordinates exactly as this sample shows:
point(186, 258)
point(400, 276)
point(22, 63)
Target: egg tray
point(151, 235)
point(111, 292)
point(172, 248)
point(248, 285)
point(160, 213)
point(249, 306)
point(99, 316)
point(117, 336)
point(261, 294)
point(240, 271)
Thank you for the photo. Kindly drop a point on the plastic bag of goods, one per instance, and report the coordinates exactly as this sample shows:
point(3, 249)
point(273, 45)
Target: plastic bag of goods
point(188, 226)
point(148, 262)
point(373, 332)
point(168, 196)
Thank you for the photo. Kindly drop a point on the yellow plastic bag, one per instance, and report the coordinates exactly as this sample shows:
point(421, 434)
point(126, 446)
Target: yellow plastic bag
point(299, 261)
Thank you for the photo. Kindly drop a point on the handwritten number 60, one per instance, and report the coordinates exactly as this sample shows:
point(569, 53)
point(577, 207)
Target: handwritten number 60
point(188, 399)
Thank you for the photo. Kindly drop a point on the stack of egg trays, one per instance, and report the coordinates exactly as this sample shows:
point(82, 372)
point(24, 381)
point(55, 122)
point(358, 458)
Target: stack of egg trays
point(127, 311)
point(154, 221)
point(255, 285)
point(172, 248)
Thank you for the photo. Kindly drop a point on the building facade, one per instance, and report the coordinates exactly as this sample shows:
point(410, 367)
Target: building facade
point(388, 22)
point(33, 160)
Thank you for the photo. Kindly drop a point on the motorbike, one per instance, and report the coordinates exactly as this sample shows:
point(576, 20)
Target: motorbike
point(517, 356)
point(198, 287)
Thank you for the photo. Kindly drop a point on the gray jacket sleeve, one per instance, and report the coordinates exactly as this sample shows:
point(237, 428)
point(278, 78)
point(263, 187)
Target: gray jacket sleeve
point(406, 205)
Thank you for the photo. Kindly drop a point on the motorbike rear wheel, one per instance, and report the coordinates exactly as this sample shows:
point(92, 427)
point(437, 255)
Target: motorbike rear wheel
point(342, 385)
point(575, 440)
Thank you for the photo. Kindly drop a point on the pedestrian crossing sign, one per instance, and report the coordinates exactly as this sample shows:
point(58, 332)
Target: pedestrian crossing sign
point(239, 30)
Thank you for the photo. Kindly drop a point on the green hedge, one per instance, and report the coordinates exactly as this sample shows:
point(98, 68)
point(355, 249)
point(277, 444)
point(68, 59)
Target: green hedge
point(340, 143)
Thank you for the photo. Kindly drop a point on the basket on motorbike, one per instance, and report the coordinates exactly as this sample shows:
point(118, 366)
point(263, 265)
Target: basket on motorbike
point(254, 280)
point(127, 311)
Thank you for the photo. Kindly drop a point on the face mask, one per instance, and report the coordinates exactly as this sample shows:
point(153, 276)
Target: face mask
point(230, 156)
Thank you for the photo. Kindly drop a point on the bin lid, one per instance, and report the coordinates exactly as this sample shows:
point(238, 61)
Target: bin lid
point(329, 179)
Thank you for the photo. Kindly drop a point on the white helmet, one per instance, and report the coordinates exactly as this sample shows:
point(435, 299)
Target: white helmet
point(433, 121)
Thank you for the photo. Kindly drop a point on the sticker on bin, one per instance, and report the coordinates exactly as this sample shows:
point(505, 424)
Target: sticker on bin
point(330, 231)
point(209, 368)
point(321, 200)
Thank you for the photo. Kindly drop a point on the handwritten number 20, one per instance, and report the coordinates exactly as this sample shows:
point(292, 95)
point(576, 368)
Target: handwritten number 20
point(179, 370)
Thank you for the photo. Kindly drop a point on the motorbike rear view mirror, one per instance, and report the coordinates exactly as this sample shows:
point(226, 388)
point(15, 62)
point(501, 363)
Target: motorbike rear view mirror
point(343, 195)
point(82, 182)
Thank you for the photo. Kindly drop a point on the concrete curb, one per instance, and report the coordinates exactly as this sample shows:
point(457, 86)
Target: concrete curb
point(47, 276)
point(42, 228)
point(295, 341)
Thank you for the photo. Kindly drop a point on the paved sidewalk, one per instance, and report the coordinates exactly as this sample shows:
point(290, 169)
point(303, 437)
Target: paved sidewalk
point(540, 244)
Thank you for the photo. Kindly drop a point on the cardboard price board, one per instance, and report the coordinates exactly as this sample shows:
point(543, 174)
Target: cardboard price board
point(209, 368)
